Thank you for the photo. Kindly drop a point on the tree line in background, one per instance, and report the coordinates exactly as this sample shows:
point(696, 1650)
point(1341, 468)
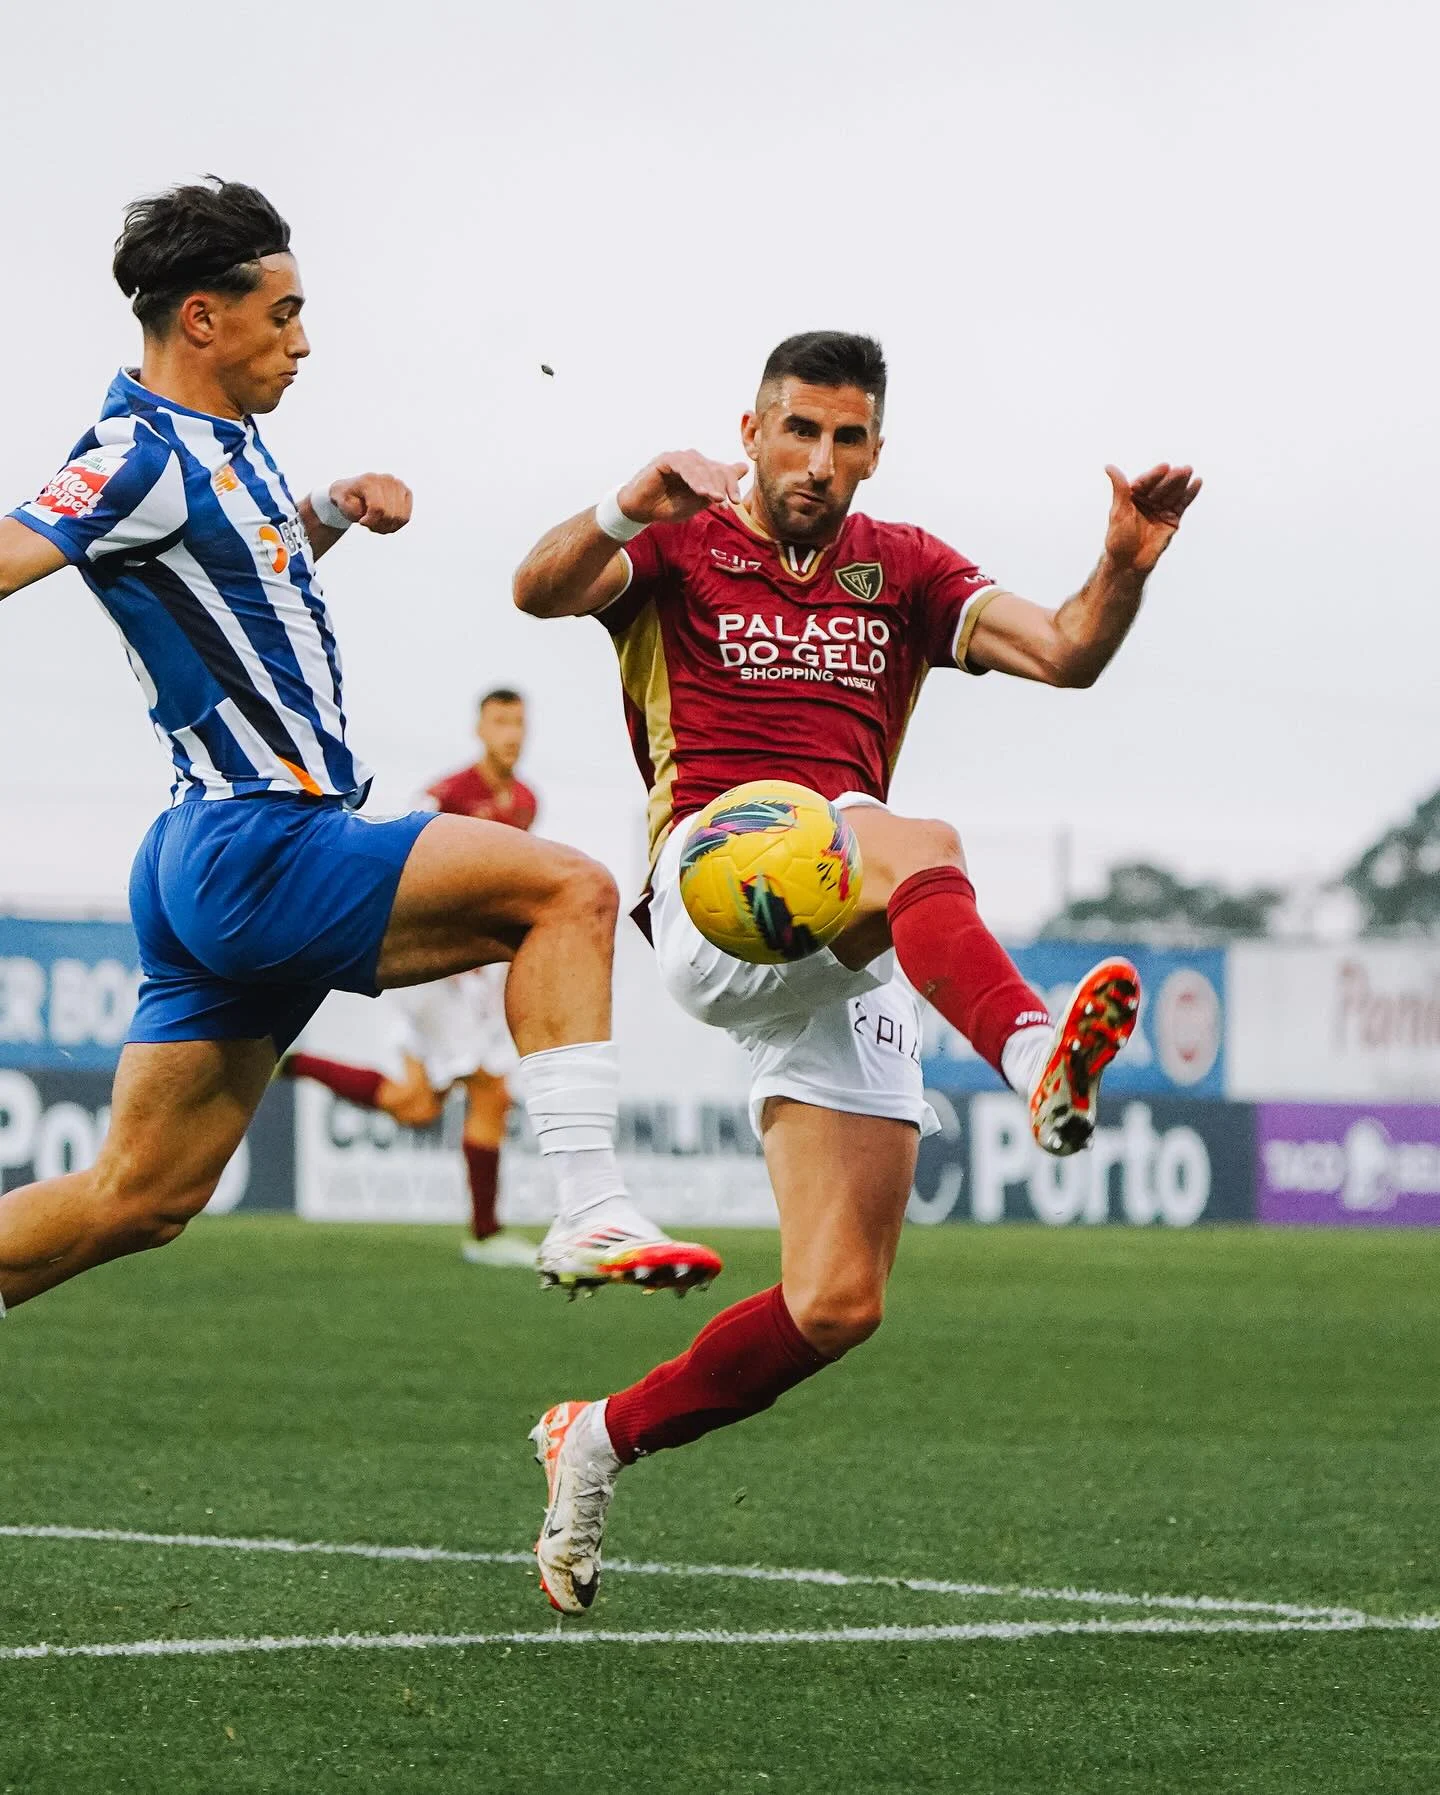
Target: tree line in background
point(1393, 888)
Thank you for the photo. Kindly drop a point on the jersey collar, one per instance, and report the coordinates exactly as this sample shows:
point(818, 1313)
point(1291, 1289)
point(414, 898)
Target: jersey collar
point(801, 563)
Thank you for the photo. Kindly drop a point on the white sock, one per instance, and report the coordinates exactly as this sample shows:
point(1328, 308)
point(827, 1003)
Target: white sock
point(572, 1096)
point(1023, 1055)
point(595, 1437)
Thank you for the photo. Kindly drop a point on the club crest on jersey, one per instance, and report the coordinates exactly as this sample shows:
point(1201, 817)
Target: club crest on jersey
point(725, 562)
point(862, 580)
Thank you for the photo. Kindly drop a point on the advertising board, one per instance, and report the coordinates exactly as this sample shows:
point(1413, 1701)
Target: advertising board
point(53, 1122)
point(1341, 1165)
point(67, 992)
point(1178, 1047)
point(688, 1163)
point(1350, 1024)
point(1171, 1162)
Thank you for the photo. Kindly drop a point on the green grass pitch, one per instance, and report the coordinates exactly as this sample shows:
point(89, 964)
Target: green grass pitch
point(1240, 1415)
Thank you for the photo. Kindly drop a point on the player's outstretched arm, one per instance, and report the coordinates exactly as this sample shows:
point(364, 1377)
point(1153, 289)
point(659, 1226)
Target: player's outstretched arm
point(377, 502)
point(1074, 645)
point(24, 557)
point(577, 568)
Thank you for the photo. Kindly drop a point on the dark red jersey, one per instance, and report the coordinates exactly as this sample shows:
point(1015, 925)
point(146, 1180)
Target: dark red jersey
point(746, 658)
point(470, 793)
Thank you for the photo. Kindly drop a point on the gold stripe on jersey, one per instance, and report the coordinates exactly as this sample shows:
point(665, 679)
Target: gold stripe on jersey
point(802, 564)
point(970, 618)
point(646, 680)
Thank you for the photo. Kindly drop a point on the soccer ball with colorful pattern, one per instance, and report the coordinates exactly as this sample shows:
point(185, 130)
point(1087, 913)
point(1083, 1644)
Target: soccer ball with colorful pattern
point(770, 872)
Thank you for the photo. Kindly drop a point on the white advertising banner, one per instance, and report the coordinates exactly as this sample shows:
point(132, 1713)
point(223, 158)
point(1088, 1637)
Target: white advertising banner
point(686, 1146)
point(1345, 1024)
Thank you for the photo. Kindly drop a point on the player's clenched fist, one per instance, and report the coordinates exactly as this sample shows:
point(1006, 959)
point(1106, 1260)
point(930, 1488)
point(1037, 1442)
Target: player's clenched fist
point(678, 485)
point(377, 502)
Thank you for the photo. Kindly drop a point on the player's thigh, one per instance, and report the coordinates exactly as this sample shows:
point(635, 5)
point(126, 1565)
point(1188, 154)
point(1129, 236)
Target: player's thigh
point(178, 1112)
point(469, 893)
point(841, 1183)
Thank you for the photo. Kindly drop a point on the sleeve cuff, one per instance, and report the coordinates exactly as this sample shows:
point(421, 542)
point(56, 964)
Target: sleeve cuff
point(71, 550)
point(969, 617)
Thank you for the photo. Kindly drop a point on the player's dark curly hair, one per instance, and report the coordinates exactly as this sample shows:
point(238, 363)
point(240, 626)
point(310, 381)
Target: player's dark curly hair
point(207, 236)
point(500, 695)
point(830, 358)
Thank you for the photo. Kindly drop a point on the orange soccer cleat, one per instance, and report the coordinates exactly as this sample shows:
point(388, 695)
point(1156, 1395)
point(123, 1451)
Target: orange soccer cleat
point(1097, 1023)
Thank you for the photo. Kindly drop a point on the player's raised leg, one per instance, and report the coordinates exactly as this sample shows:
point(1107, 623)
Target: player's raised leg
point(917, 896)
point(179, 1112)
point(841, 1183)
point(473, 892)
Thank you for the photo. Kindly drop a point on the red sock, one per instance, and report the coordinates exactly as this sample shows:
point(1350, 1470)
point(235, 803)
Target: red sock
point(952, 959)
point(483, 1166)
point(736, 1366)
point(356, 1084)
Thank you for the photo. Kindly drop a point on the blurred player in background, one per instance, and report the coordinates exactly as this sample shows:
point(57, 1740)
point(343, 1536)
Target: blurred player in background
point(454, 1031)
point(260, 890)
point(781, 636)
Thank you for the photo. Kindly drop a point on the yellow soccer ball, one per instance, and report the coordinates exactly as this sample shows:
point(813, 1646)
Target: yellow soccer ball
point(770, 872)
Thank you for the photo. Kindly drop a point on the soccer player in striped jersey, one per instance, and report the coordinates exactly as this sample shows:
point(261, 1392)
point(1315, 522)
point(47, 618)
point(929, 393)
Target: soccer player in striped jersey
point(780, 635)
point(453, 1031)
point(262, 887)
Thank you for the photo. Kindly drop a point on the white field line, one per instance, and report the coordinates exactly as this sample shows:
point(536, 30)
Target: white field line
point(1089, 1598)
point(884, 1635)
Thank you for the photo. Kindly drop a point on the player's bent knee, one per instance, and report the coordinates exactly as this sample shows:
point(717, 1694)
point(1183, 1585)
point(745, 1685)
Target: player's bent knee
point(584, 886)
point(937, 843)
point(836, 1322)
point(133, 1218)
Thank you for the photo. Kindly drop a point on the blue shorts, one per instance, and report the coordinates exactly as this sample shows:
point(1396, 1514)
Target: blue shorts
point(249, 910)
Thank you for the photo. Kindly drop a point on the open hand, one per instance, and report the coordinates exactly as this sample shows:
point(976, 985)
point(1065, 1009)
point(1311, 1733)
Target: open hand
point(1145, 513)
point(377, 502)
point(679, 485)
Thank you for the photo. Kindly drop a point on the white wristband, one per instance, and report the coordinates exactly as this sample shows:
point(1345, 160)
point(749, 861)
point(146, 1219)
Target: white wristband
point(327, 512)
point(613, 521)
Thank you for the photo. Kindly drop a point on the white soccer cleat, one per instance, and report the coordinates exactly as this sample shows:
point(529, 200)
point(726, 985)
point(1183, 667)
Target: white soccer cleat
point(581, 1485)
point(505, 1248)
point(1097, 1023)
point(614, 1243)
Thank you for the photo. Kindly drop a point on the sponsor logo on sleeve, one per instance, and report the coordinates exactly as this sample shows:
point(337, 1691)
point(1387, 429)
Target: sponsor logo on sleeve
point(862, 580)
point(75, 491)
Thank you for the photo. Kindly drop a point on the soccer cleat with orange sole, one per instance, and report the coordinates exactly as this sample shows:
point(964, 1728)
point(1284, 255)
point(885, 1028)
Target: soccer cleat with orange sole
point(616, 1244)
point(580, 1487)
point(1097, 1023)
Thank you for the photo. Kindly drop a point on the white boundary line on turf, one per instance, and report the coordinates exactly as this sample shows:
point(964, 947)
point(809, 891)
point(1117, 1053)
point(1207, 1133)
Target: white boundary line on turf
point(884, 1635)
point(1090, 1598)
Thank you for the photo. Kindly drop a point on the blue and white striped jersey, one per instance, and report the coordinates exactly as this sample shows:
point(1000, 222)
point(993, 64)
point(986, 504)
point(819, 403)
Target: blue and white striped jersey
point(184, 529)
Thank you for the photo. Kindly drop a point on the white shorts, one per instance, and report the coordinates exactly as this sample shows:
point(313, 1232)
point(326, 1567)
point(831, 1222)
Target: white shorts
point(456, 1026)
point(815, 1030)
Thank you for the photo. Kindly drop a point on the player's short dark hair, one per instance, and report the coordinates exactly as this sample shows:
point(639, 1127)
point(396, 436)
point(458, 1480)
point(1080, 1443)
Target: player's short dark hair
point(500, 695)
point(207, 236)
point(830, 358)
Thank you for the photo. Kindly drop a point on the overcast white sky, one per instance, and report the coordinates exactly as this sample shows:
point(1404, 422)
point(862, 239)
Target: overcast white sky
point(1114, 231)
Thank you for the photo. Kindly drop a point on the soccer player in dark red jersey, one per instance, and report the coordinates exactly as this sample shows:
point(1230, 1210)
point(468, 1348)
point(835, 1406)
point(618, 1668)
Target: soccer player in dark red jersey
point(454, 1030)
point(779, 635)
